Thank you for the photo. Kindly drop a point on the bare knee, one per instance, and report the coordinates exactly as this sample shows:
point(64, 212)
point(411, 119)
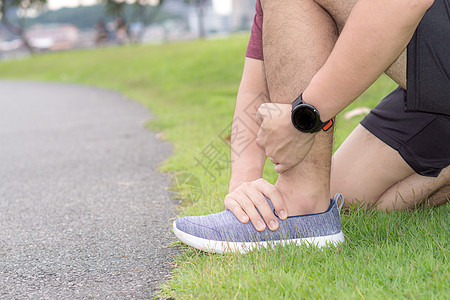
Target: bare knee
point(442, 194)
point(417, 190)
point(440, 197)
point(364, 167)
point(421, 5)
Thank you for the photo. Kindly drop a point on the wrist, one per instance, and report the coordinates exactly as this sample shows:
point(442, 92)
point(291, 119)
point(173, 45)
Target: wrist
point(241, 178)
point(324, 97)
point(247, 166)
point(312, 98)
point(306, 118)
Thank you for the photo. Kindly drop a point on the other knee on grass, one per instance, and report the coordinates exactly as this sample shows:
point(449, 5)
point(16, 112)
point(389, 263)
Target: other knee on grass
point(430, 192)
point(441, 197)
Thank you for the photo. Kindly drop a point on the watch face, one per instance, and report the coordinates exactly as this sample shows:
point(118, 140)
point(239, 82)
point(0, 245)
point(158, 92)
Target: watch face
point(304, 118)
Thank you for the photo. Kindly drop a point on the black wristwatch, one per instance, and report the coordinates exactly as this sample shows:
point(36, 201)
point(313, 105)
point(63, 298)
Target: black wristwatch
point(306, 118)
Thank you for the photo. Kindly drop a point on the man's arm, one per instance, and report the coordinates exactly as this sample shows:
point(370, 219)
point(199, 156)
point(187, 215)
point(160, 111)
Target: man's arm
point(247, 158)
point(375, 34)
point(247, 188)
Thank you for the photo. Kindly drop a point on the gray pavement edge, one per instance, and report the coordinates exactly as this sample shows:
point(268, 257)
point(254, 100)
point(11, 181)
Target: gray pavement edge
point(84, 213)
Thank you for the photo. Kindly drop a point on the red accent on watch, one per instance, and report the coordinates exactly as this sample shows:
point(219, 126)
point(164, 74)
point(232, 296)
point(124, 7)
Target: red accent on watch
point(328, 125)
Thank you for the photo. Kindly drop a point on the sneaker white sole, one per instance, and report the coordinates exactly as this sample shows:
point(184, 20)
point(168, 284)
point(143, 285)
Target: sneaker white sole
point(243, 247)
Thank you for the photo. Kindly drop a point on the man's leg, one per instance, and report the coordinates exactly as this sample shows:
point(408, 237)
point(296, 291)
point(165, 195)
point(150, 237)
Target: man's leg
point(415, 190)
point(302, 32)
point(393, 184)
point(298, 36)
point(339, 10)
point(368, 171)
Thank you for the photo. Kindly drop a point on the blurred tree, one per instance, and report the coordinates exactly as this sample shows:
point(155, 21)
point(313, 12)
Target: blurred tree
point(144, 10)
point(21, 7)
point(200, 7)
point(86, 17)
point(114, 7)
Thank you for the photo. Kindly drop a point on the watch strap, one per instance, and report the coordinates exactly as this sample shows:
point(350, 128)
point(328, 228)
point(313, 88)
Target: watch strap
point(297, 101)
point(324, 125)
point(327, 125)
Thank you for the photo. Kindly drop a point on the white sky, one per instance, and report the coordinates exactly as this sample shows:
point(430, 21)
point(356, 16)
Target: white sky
point(55, 4)
point(222, 7)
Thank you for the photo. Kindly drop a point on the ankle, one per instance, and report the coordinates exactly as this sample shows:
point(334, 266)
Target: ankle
point(301, 202)
point(307, 204)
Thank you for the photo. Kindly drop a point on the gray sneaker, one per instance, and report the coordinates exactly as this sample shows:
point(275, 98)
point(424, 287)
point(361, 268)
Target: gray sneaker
point(223, 232)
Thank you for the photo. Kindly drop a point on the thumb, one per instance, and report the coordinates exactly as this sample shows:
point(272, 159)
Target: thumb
point(261, 114)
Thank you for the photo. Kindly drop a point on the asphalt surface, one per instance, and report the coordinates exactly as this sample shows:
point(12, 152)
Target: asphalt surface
point(83, 211)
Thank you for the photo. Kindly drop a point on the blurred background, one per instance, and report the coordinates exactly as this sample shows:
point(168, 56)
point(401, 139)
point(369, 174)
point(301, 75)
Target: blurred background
point(35, 26)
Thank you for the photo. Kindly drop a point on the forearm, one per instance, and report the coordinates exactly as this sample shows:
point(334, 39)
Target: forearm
point(247, 158)
point(247, 163)
point(375, 34)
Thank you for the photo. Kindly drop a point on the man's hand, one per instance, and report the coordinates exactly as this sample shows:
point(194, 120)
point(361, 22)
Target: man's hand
point(285, 146)
point(248, 203)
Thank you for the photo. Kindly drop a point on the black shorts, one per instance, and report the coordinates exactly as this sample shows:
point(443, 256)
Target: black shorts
point(422, 139)
point(428, 66)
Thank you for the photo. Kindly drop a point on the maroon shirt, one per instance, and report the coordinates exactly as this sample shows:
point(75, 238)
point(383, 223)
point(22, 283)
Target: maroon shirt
point(254, 48)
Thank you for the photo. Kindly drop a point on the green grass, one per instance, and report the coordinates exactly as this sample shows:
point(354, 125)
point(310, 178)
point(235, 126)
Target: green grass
point(386, 256)
point(191, 88)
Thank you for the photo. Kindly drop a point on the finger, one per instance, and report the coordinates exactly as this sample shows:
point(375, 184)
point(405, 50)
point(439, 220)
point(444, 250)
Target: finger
point(259, 118)
point(240, 198)
point(249, 207)
point(260, 140)
point(263, 207)
point(271, 192)
point(233, 206)
point(273, 161)
point(282, 168)
point(261, 114)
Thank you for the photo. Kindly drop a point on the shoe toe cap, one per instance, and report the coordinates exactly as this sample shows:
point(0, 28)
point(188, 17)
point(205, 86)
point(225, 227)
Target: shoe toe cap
point(193, 226)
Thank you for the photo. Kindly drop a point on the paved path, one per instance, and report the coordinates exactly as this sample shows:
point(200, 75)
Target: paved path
point(83, 211)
